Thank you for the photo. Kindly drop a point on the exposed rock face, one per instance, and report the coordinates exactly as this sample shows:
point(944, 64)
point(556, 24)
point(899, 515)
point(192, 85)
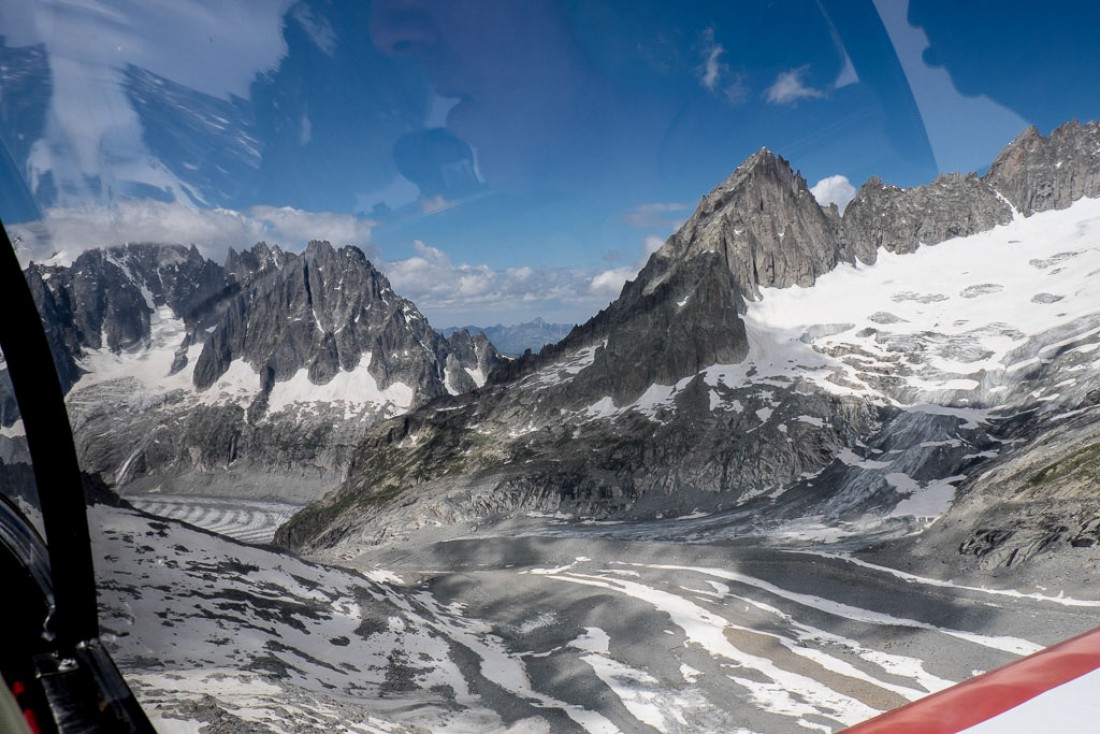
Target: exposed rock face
point(765, 225)
point(192, 376)
point(468, 360)
point(667, 327)
point(326, 311)
point(1041, 496)
point(107, 298)
point(901, 220)
point(671, 400)
point(1037, 174)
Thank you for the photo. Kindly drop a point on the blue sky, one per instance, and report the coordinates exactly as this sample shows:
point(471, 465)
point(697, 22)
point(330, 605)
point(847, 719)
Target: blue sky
point(502, 160)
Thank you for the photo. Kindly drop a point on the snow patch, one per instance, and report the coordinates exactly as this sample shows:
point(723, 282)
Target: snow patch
point(15, 430)
point(356, 387)
point(930, 501)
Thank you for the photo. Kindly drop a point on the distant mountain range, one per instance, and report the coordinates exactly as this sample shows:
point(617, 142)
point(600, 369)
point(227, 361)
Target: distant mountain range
point(516, 339)
point(776, 360)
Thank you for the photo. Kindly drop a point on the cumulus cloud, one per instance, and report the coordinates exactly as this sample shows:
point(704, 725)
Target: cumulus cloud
point(834, 190)
point(610, 282)
point(294, 227)
point(71, 231)
point(790, 87)
point(452, 293)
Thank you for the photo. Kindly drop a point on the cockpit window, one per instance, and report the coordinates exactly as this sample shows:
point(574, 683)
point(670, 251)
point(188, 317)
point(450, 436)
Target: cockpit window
point(294, 259)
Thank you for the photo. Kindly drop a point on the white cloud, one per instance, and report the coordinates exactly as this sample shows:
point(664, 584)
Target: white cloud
point(789, 88)
point(294, 227)
point(712, 67)
point(610, 282)
point(715, 75)
point(834, 190)
point(651, 244)
point(71, 231)
point(450, 293)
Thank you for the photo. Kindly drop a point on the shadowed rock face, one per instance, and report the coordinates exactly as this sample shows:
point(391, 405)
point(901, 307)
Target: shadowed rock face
point(623, 419)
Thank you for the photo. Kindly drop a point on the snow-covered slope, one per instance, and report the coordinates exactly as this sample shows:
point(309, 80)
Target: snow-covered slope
point(957, 324)
point(957, 330)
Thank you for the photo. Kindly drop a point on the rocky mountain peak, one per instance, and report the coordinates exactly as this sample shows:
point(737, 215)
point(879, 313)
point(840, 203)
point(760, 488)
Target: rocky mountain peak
point(259, 258)
point(883, 216)
point(765, 224)
point(274, 363)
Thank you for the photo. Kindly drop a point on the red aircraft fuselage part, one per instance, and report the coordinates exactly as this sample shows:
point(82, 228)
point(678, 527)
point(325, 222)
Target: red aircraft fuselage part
point(987, 696)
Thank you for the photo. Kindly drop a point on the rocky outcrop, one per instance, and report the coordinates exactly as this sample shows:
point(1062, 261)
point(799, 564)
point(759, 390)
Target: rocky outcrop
point(667, 327)
point(107, 298)
point(518, 449)
point(468, 359)
point(325, 311)
point(1037, 174)
point(518, 338)
point(901, 220)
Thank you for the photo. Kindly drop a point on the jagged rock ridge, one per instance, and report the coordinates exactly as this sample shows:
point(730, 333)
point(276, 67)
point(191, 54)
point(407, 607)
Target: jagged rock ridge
point(270, 365)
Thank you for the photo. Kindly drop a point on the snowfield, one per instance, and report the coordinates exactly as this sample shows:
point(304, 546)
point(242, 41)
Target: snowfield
point(957, 322)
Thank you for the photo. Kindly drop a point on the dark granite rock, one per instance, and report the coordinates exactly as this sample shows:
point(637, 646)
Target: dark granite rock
point(901, 220)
